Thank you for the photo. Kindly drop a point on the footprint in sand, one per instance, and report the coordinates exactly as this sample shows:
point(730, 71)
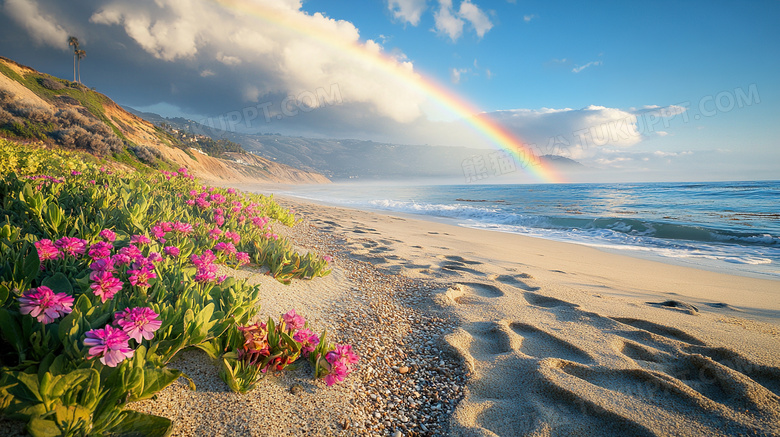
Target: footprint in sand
point(490, 338)
point(705, 389)
point(547, 301)
point(471, 292)
point(455, 268)
point(719, 374)
point(461, 260)
point(515, 282)
point(657, 329)
point(540, 344)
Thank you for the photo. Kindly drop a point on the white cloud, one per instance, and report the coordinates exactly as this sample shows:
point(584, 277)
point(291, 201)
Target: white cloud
point(207, 73)
point(579, 68)
point(227, 59)
point(528, 18)
point(41, 28)
point(449, 22)
point(474, 15)
point(455, 74)
point(267, 59)
point(446, 22)
point(408, 11)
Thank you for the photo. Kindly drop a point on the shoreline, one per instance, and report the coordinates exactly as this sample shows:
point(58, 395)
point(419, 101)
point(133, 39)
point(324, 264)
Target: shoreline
point(709, 289)
point(749, 267)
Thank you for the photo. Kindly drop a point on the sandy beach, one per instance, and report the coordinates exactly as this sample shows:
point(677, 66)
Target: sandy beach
point(471, 332)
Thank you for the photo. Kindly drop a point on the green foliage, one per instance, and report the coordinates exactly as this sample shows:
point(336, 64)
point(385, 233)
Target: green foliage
point(48, 376)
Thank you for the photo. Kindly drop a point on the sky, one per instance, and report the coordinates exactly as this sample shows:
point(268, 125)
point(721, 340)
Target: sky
point(635, 91)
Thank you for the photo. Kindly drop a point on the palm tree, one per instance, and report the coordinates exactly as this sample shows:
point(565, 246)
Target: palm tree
point(73, 41)
point(80, 54)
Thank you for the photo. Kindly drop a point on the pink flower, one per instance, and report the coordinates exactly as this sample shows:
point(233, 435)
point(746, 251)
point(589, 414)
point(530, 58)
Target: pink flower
point(260, 222)
point(338, 371)
point(205, 275)
point(72, 246)
point(121, 259)
point(157, 232)
point(219, 220)
point(215, 233)
point(341, 361)
point(105, 285)
point(132, 252)
point(108, 343)
point(242, 258)
point(172, 251)
point(139, 239)
point(307, 339)
point(43, 304)
point(108, 235)
point(138, 323)
point(141, 277)
point(233, 236)
point(189, 202)
point(47, 250)
point(154, 257)
point(327, 258)
point(103, 265)
point(206, 258)
point(100, 249)
point(184, 228)
point(206, 270)
point(231, 191)
point(183, 170)
point(293, 321)
point(227, 248)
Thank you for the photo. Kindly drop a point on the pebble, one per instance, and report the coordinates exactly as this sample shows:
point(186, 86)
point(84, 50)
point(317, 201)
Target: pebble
point(403, 369)
point(296, 388)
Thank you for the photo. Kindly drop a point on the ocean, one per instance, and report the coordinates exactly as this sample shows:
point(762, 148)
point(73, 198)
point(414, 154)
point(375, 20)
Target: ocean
point(732, 227)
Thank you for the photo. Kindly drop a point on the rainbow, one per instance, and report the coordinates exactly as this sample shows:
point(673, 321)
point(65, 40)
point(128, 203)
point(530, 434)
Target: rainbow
point(495, 133)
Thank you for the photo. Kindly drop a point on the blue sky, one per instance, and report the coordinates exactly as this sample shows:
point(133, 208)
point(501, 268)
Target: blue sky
point(702, 74)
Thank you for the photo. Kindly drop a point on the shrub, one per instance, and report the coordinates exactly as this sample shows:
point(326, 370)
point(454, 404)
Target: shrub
point(51, 84)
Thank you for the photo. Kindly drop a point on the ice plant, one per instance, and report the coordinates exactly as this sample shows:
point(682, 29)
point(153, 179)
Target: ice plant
point(206, 270)
point(293, 321)
point(45, 305)
point(140, 277)
point(242, 258)
point(103, 265)
point(255, 345)
point(171, 251)
point(100, 249)
point(71, 246)
point(105, 285)
point(108, 235)
point(341, 361)
point(139, 239)
point(108, 343)
point(227, 248)
point(138, 323)
point(307, 339)
point(47, 250)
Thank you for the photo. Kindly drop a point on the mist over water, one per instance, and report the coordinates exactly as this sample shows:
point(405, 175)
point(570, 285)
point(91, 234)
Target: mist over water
point(724, 226)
